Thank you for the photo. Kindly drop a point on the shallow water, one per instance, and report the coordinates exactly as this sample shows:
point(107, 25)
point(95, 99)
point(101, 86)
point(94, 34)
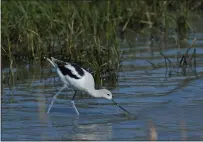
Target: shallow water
point(172, 104)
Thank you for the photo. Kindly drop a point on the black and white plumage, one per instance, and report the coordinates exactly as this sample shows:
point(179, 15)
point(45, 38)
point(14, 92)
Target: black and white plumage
point(78, 78)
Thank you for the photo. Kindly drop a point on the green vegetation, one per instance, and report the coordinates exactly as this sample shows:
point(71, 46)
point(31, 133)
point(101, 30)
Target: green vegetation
point(84, 31)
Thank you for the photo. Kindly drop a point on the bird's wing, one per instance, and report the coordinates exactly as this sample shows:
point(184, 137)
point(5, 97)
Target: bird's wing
point(72, 70)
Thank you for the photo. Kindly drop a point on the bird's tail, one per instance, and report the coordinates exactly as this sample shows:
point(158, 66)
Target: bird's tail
point(55, 62)
point(51, 61)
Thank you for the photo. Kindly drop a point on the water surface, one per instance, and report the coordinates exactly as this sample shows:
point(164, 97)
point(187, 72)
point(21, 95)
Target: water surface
point(172, 104)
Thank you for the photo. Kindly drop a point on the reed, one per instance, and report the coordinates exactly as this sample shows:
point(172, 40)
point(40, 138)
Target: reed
point(81, 31)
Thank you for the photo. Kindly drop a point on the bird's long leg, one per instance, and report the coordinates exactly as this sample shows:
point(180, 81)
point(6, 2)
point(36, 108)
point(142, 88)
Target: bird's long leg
point(73, 103)
point(54, 98)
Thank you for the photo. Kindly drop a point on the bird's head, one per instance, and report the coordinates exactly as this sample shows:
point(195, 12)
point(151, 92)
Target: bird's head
point(106, 94)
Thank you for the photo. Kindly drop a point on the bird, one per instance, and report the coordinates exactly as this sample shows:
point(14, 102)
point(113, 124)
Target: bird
point(76, 77)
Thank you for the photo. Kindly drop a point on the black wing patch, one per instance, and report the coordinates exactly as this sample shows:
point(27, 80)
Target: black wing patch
point(78, 69)
point(66, 71)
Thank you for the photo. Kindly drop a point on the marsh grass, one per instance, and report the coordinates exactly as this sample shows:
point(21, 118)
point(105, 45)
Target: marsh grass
point(187, 61)
point(85, 32)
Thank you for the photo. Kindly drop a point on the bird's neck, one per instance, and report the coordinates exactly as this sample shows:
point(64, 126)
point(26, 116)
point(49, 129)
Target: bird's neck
point(95, 93)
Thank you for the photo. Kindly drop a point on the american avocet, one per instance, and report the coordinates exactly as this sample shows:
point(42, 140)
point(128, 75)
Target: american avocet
point(79, 79)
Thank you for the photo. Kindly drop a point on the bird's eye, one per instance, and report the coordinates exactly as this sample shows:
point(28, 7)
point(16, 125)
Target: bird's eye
point(108, 94)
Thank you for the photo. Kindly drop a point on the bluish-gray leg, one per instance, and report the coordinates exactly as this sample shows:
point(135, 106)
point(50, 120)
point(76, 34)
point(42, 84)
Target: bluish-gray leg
point(73, 103)
point(54, 98)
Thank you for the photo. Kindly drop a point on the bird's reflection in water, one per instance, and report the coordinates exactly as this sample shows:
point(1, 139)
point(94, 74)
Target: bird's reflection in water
point(92, 132)
point(79, 128)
